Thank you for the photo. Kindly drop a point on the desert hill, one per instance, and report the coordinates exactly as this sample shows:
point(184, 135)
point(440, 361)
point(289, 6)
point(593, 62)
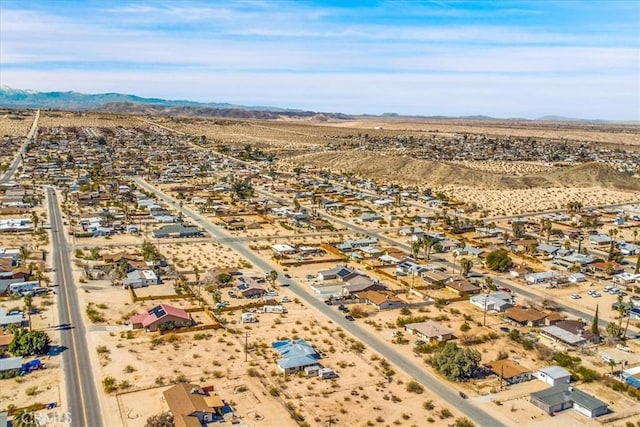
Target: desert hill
point(410, 171)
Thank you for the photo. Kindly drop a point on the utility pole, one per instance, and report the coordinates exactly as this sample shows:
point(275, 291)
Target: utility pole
point(331, 420)
point(484, 320)
point(246, 345)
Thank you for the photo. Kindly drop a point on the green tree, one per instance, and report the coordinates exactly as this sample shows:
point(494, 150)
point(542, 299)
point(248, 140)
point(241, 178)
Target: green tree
point(499, 260)
point(25, 419)
point(27, 343)
point(416, 245)
point(517, 228)
point(272, 277)
point(164, 419)
point(457, 364)
point(242, 189)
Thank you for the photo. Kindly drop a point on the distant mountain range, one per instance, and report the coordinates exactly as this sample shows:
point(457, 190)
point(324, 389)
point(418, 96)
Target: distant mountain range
point(132, 104)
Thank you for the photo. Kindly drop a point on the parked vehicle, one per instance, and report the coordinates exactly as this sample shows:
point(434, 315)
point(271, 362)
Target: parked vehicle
point(349, 318)
point(575, 296)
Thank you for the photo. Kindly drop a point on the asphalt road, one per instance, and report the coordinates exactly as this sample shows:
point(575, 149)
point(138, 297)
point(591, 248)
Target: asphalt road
point(18, 158)
point(431, 382)
point(83, 403)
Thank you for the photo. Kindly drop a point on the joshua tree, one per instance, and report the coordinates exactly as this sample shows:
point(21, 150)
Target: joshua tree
point(28, 305)
point(24, 254)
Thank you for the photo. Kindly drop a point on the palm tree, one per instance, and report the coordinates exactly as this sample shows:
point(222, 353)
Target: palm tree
point(465, 266)
point(455, 255)
point(428, 244)
point(416, 245)
point(28, 305)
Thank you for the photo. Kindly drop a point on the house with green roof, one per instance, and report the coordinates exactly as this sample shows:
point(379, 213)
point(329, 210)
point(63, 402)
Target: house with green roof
point(565, 396)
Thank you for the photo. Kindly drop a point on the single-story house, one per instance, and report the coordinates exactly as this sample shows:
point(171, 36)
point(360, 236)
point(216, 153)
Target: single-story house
point(599, 239)
point(382, 300)
point(577, 278)
point(283, 249)
point(542, 277)
point(565, 396)
point(570, 332)
point(250, 288)
point(176, 230)
point(434, 278)
point(497, 301)
point(5, 340)
point(430, 331)
point(9, 319)
point(547, 249)
point(159, 316)
point(140, 278)
point(553, 375)
point(524, 316)
point(296, 355)
point(335, 273)
point(359, 283)
point(193, 406)
point(461, 286)
point(510, 371)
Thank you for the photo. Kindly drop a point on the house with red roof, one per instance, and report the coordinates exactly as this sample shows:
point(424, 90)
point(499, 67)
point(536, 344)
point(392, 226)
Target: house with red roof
point(160, 317)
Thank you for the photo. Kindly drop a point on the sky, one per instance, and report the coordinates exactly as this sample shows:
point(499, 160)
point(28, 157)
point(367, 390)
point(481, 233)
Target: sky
point(455, 58)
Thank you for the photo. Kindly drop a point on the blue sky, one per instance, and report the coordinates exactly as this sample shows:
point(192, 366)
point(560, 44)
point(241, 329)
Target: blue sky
point(498, 58)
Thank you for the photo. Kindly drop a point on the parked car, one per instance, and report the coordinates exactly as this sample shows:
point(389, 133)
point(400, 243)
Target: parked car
point(349, 318)
point(419, 342)
point(504, 329)
point(287, 276)
point(285, 299)
point(575, 296)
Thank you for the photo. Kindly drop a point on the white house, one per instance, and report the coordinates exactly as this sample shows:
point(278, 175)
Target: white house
point(542, 277)
point(140, 278)
point(498, 301)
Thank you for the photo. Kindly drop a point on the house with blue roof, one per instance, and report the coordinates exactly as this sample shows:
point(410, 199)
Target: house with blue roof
point(296, 355)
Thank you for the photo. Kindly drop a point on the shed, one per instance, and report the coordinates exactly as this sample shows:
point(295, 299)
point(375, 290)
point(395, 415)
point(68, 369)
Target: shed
point(554, 375)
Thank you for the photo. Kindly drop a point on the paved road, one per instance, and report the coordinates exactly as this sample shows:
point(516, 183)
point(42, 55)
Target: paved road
point(17, 161)
point(83, 403)
point(431, 382)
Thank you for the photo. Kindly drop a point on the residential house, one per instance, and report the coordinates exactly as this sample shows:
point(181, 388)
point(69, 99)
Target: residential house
point(542, 277)
point(176, 231)
point(521, 316)
point(193, 406)
point(5, 340)
point(335, 273)
point(599, 239)
point(250, 287)
point(140, 278)
point(497, 301)
point(461, 286)
point(510, 371)
point(434, 278)
point(611, 267)
point(381, 300)
point(553, 375)
point(565, 396)
point(570, 332)
point(159, 316)
point(430, 331)
point(359, 283)
point(9, 319)
point(296, 355)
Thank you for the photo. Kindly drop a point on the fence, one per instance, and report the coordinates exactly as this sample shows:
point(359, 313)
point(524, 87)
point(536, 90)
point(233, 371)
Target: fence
point(135, 298)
